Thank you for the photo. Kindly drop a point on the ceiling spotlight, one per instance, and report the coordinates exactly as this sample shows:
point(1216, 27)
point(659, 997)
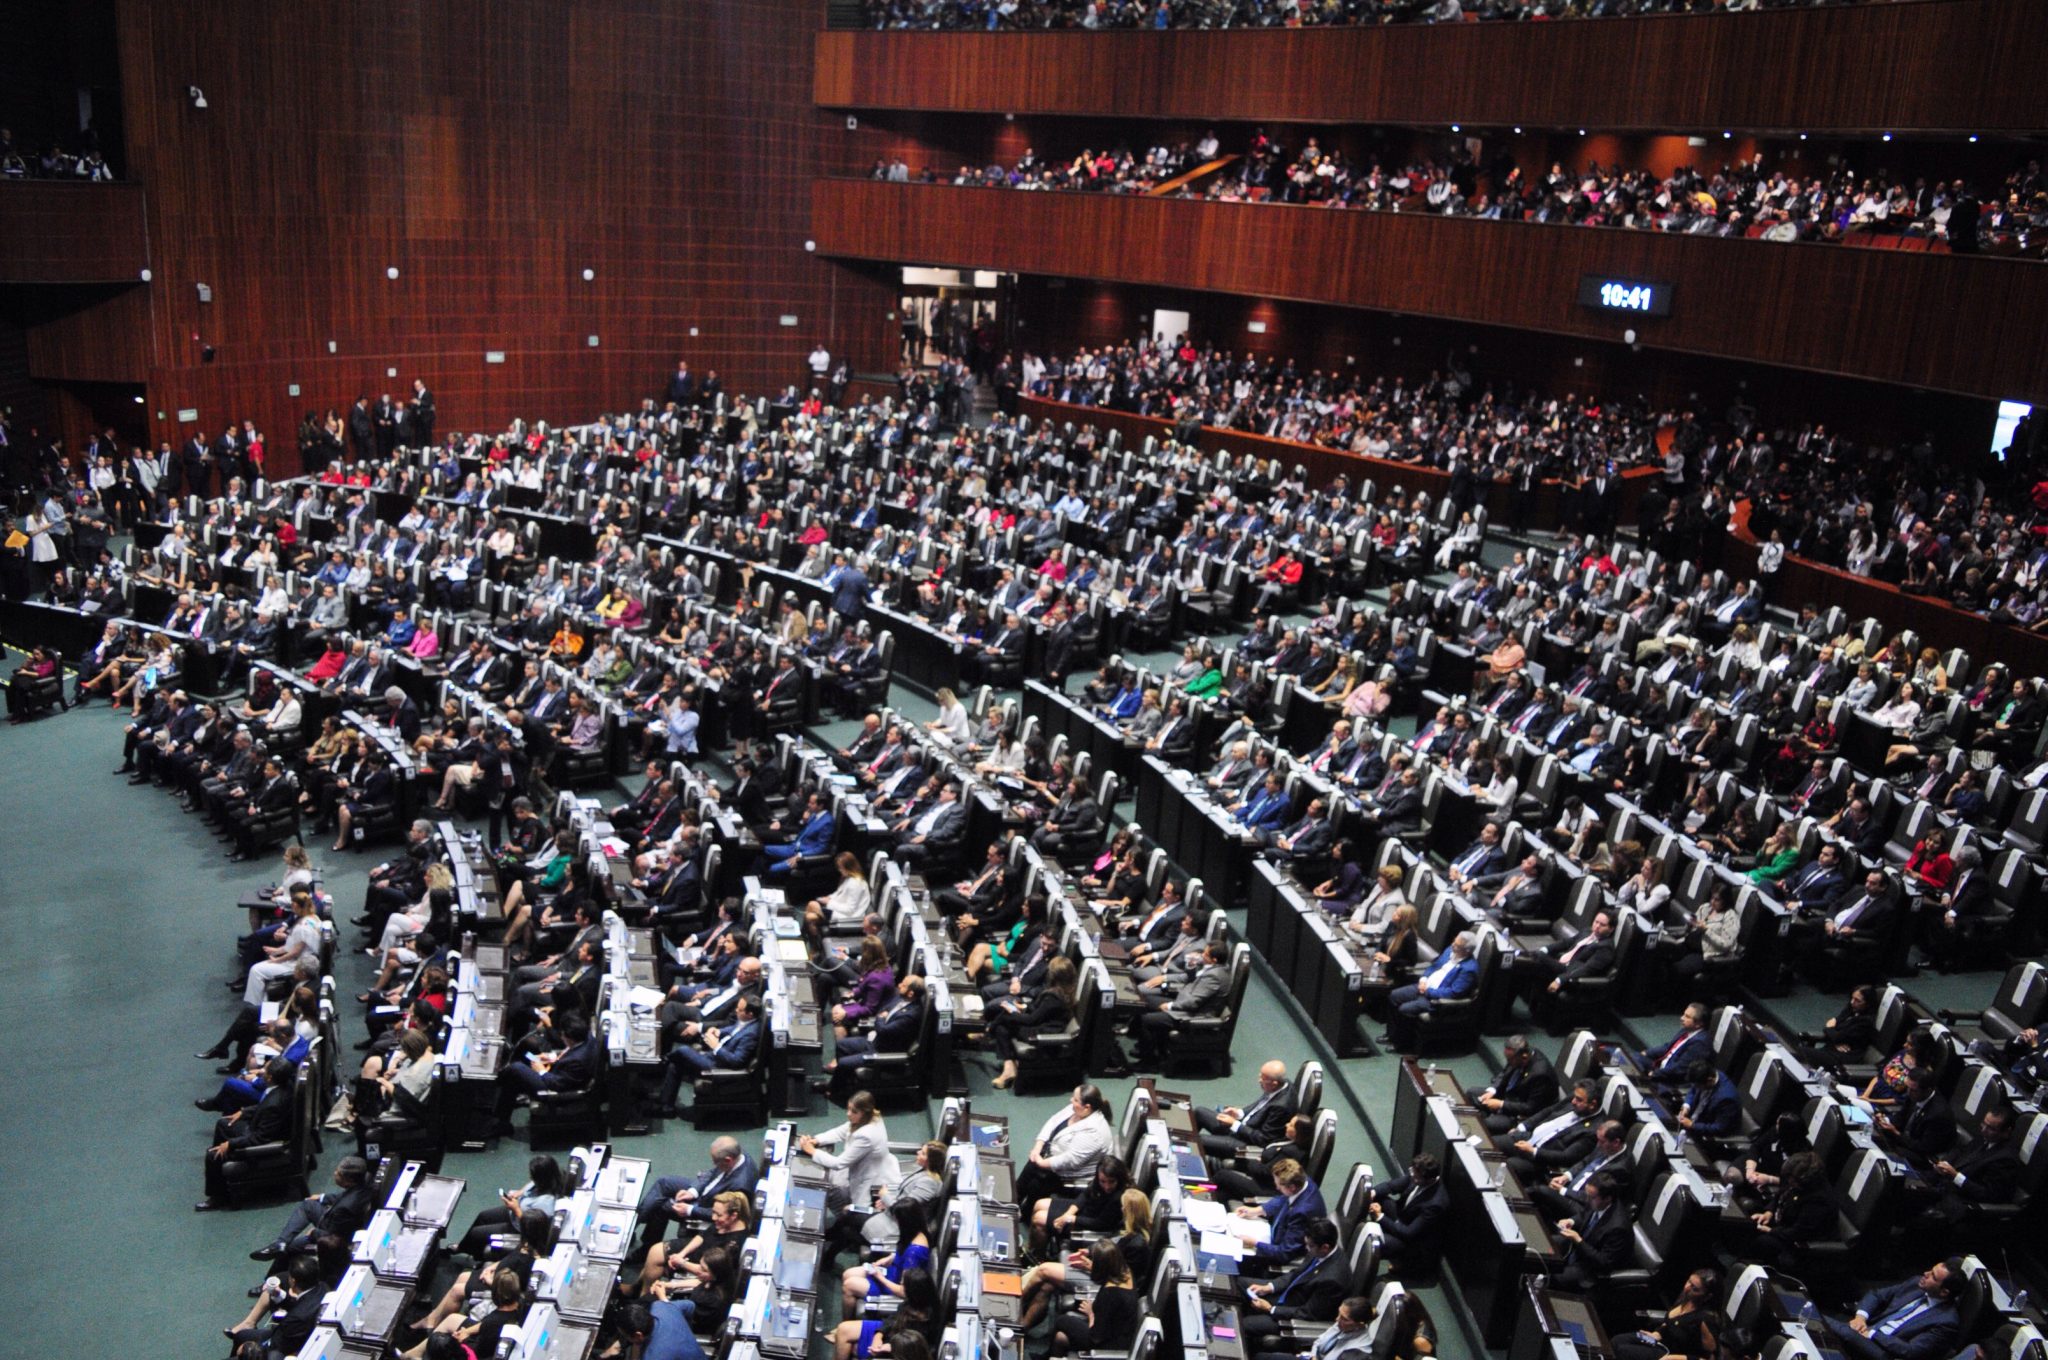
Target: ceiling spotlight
point(1518, 132)
point(1973, 136)
point(1887, 136)
point(1454, 127)
point(196, 95)
point(1582, 132)
point(1726, 135)
point(1802, 136)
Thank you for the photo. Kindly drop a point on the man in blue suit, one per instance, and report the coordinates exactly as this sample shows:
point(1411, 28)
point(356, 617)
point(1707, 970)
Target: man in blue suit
point(1287, 1213)
point(1713, 1107)
point(849, 591)
point(896, 1027)
point(681, 1199)
point(1669, 1063)
point(815, 838)
point(1264, 810)
point(1455, 975)
point(1914, 1319)
point(574, 1067)
point(728, 1050)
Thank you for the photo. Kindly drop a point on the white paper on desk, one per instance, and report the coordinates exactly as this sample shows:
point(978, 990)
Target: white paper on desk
point(1217, 1244)
point(645, 998)
point(1206, 1216)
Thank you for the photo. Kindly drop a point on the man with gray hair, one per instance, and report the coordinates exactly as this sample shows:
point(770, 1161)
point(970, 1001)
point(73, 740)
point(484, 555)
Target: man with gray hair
point(687, 1199)
point(1969, 892)
point(1453, 977)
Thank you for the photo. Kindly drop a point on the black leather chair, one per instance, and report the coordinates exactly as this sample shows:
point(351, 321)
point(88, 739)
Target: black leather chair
point(281, 1166)
point(565, 1118)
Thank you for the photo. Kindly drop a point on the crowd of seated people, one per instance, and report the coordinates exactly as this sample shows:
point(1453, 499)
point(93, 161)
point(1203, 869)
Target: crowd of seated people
point(54, 161)
point(1681, 704)
point(1096, 15)
point(1903, 517)
point(1744, 198)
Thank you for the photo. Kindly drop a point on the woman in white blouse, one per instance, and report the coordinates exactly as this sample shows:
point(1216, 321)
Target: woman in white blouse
point(1900, 715)
point(848, 904)
point(1005, 757)
point(863, 1163)
point(952, 725)
point(1369, 920)
point(1068, 1147)
point(1502, 787)
point(1647, 891)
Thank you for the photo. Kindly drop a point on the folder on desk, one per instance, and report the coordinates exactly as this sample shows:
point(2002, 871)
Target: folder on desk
point(1003, 1282)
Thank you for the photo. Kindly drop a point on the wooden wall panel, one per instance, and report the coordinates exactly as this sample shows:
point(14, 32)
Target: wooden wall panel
point(1957, 324)
point(53, 232)
point(1968, 65)
point(491, 151)
point(104, 340)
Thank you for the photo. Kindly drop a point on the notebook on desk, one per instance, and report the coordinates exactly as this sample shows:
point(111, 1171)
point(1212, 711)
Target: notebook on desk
point(1178, 1119)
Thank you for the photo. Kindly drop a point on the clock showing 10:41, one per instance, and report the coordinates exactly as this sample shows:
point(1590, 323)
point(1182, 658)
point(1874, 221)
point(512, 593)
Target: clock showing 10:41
point(1636, 297)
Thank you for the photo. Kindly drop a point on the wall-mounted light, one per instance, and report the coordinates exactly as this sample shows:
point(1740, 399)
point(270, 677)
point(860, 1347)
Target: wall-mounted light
point(589, 274)
point(593, 342)
point(147, 276)
point(1456, 128)
point(196, 95)
point(205, 292)
point(390, 271)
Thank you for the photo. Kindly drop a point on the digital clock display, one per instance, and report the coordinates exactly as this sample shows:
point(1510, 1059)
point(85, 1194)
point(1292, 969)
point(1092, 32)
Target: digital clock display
point(1635, 297)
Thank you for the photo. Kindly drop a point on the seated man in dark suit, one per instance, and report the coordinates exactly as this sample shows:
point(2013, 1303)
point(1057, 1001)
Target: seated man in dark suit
point(687, 1199)
point(1923, 1126)
point(1527, 1082)
point(1984, 1170)
point(1565, 1194)
point(571, 1068)
point(896, 1027)
point(340, 1213)
point(728, 1049)
point(269, 1120)
point(1231, 1130)
point(285, 1312)
point(1562, 963)
point(1554, 1138)
point(1311, 1292)
point(1248, 1176)
point(1969, 892)
point(1296, 1203)
point(1668, 1063)
point(1712, 1107)
point(1412, 1211)
point(1204, 994)
point(1602, 1239)
point(1914, 1319)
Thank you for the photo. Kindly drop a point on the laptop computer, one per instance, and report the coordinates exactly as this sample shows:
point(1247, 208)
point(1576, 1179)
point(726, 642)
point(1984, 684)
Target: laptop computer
point(433, 1199)
point(589, 1291)
point(804, 1212)
point(796, 1265)
point(787, 1328)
